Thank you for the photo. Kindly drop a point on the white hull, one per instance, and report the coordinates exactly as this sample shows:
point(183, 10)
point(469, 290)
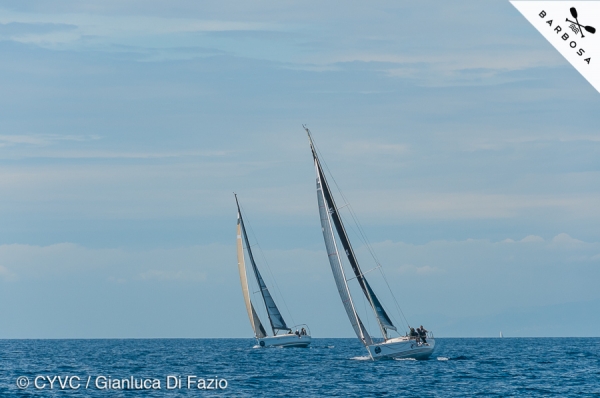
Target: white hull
point(285, 340)
point(402, 347)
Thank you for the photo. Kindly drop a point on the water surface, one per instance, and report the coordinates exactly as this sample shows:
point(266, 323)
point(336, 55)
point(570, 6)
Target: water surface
point(531, 367)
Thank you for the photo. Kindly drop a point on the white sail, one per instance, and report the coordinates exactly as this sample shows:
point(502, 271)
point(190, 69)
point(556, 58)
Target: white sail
point(259, 330)
point(331, 222)
point(336, 266)
point(381, 315)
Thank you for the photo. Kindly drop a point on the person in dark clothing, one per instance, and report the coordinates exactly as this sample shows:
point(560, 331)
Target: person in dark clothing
point(413, 335)
point(422, 334)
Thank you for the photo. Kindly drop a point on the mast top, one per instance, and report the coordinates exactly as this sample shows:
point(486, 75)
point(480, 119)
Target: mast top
point(312, 146)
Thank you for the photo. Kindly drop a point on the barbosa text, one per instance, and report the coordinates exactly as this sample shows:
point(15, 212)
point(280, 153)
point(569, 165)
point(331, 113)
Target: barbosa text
point(565, 36)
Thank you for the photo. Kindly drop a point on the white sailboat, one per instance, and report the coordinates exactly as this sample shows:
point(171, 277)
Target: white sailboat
point(387, 347)
point(301, 337)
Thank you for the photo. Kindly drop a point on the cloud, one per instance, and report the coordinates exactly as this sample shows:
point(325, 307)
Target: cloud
point(13, 29)
point(68, 260)
point(423, 270)
point(298, 39)
point(399, 204)
point(96, 30)
point(532, 239)
point(40, 139)
point(566, 240)
point(472, 276)
point(96, 154)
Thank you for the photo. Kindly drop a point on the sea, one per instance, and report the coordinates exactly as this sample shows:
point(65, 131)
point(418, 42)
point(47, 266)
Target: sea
point(459, 367)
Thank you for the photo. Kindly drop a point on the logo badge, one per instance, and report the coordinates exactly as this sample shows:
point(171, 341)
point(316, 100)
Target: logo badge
point(570, 26)
point(377, 350)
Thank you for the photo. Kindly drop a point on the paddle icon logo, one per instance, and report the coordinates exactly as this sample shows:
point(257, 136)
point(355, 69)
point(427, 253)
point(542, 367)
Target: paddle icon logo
point(570, 26)
point(576, 26)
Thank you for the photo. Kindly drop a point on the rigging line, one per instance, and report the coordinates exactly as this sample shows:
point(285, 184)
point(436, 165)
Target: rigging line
point(281, 296)
point(364, 273)
point(361, 230)
point(347, 204)
point(362, 235)
point(274, 281)
point(394, 297)
point(382, 304)
point(356, 268)
point(362, 298)
point(399, 311)
point(369, 247)
point(266, 309)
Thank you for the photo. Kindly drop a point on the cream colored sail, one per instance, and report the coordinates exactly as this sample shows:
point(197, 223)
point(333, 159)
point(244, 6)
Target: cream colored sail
point(257, 326)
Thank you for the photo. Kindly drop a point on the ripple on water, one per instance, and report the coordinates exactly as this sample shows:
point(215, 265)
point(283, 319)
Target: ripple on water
point(484, 367)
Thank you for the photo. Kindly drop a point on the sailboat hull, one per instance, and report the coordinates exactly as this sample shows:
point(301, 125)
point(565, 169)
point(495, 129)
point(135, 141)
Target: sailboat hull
point(285, 340)
point(402, 348)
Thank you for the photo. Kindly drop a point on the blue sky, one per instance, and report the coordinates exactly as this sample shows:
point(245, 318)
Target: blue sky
point(466, 145)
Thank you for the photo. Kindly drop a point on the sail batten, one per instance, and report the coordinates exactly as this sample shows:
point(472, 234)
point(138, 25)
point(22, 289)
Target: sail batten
point(332, 212)
point(275, 317)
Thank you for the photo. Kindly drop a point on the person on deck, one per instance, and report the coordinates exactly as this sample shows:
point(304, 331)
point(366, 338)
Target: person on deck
point(422, 334)
point(413, 335)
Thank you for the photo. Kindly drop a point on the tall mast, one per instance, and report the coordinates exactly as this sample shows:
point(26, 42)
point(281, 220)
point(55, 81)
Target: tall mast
point(257, 327)
point(337, 269)
point(383, 319)
point(275, 317)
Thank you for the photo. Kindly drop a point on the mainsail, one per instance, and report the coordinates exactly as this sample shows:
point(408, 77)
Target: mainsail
point(336, 267)
point(328, 207)
point(275, 318)
point(259, 330)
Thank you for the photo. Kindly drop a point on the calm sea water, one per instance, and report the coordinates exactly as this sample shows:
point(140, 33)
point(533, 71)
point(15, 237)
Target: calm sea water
point(331, 367)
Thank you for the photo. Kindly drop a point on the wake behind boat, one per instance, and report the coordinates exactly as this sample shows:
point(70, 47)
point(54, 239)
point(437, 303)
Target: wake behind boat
point(299, 338)
point(413, 345)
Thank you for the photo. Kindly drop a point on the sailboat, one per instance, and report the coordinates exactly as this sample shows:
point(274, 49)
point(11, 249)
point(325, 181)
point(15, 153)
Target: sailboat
point(331, 223)
point(301, 337)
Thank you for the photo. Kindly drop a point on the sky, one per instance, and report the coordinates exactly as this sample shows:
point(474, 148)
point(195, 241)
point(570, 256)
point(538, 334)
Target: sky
point(464, 143)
